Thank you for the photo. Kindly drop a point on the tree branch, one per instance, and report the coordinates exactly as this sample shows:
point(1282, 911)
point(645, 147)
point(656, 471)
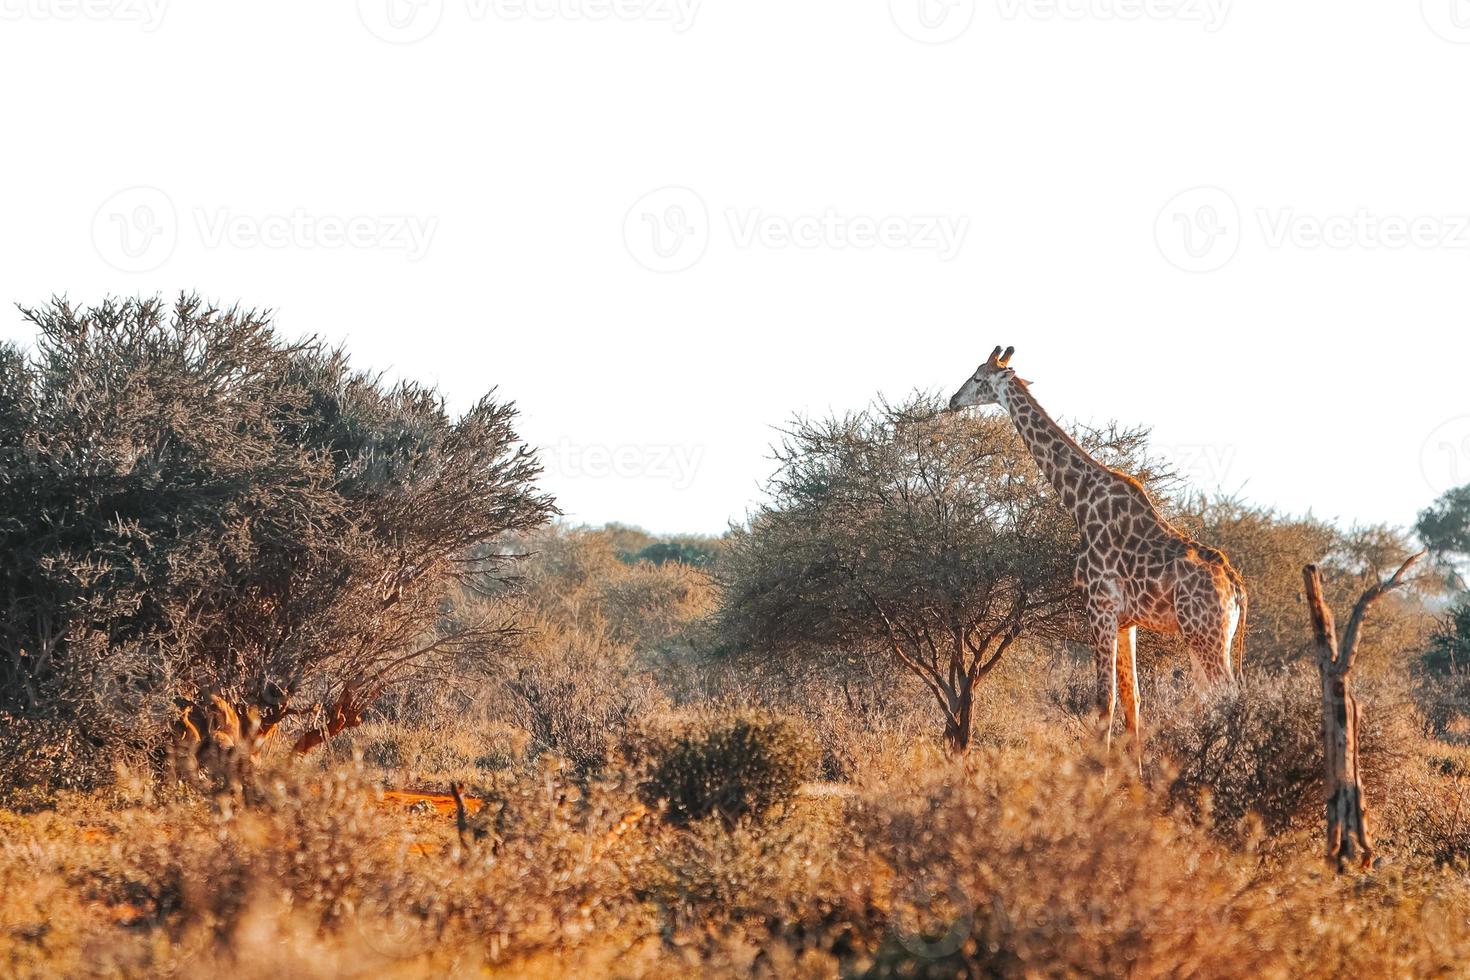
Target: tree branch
point(1360, 611)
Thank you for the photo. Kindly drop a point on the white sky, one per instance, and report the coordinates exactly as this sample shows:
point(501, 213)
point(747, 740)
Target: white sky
point(497, 173)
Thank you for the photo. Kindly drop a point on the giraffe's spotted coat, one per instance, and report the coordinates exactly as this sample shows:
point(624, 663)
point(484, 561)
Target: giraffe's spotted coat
point(1136, 569)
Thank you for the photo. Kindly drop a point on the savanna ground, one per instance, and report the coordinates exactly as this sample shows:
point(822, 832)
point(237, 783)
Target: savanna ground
point(686, 756)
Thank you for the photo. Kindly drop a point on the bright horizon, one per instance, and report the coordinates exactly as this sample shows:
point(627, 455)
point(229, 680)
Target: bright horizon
point(764, 209)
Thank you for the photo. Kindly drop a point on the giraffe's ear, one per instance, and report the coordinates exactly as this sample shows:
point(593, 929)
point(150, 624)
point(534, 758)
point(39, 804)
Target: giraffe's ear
point(1006, 357)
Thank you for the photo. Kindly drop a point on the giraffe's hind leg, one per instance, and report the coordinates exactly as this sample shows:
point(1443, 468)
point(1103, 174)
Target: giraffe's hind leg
point(1127, 671)
point(1208, 628)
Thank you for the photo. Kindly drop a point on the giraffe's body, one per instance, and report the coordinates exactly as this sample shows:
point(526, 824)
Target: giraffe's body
point(1136, 569)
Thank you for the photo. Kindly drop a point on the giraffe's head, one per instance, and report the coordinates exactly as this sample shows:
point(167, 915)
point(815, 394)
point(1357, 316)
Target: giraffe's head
point(982, 387)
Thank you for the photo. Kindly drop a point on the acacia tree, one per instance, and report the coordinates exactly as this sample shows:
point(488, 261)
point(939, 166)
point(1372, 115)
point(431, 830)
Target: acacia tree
point(192, 506)
point(927, 534)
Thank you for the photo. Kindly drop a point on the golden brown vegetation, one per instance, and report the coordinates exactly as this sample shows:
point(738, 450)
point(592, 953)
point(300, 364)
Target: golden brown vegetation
point(630, 757)
point(824, 835)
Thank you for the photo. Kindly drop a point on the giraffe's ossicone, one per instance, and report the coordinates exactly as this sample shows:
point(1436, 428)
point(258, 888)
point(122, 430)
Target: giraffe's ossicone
point(1136, 569)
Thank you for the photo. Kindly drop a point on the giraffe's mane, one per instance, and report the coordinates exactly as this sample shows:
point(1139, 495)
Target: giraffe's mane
point(1131, 481)
point(1025, 387)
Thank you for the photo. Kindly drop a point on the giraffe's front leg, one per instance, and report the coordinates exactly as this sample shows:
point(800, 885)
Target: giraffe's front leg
point(1102, 619)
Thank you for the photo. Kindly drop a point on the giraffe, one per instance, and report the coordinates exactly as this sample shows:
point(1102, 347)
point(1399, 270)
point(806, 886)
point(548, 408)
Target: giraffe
point(1136, 569)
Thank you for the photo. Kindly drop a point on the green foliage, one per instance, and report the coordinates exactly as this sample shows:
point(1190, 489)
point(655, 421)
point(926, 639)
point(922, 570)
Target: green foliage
point(191, 502)
point(633, 544)
point(1444, 669)
point(1444, 526)
point(1449, 646)
point(731, 766)
point(679, 552)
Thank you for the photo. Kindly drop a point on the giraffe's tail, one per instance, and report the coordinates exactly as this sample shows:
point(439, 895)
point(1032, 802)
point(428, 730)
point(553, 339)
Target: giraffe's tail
point(1237, 642)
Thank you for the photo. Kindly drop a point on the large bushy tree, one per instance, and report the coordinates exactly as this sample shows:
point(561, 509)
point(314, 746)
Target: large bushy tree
point(192, 504)
point(927, 534)
point(1444, 526)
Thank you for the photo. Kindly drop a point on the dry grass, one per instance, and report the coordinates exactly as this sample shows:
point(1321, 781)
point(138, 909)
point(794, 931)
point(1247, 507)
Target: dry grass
point(1032, 858)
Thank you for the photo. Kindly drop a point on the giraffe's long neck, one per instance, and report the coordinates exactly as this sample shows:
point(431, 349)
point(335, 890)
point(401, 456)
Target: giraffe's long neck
point(1066, 465)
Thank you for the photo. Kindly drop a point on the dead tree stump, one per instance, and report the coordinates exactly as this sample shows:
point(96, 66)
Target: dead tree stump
point(1347, 824)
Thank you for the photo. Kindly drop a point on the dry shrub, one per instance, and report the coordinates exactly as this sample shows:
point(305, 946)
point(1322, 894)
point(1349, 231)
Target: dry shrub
point(576, 703)
point(1424, 811)
point(1043, 865)
point(593, 622)
point(1255, 748)
point(729, 765)
point(466, 751)
point(40, 756)
point(1046, 867)
point(1019, 862)
point(320, 856)
point(865, 712)
point(766, 898)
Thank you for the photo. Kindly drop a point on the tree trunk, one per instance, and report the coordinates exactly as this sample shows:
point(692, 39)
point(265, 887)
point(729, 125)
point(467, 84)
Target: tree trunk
point(959, 726)
point(1348, 840)
point(346, 712)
